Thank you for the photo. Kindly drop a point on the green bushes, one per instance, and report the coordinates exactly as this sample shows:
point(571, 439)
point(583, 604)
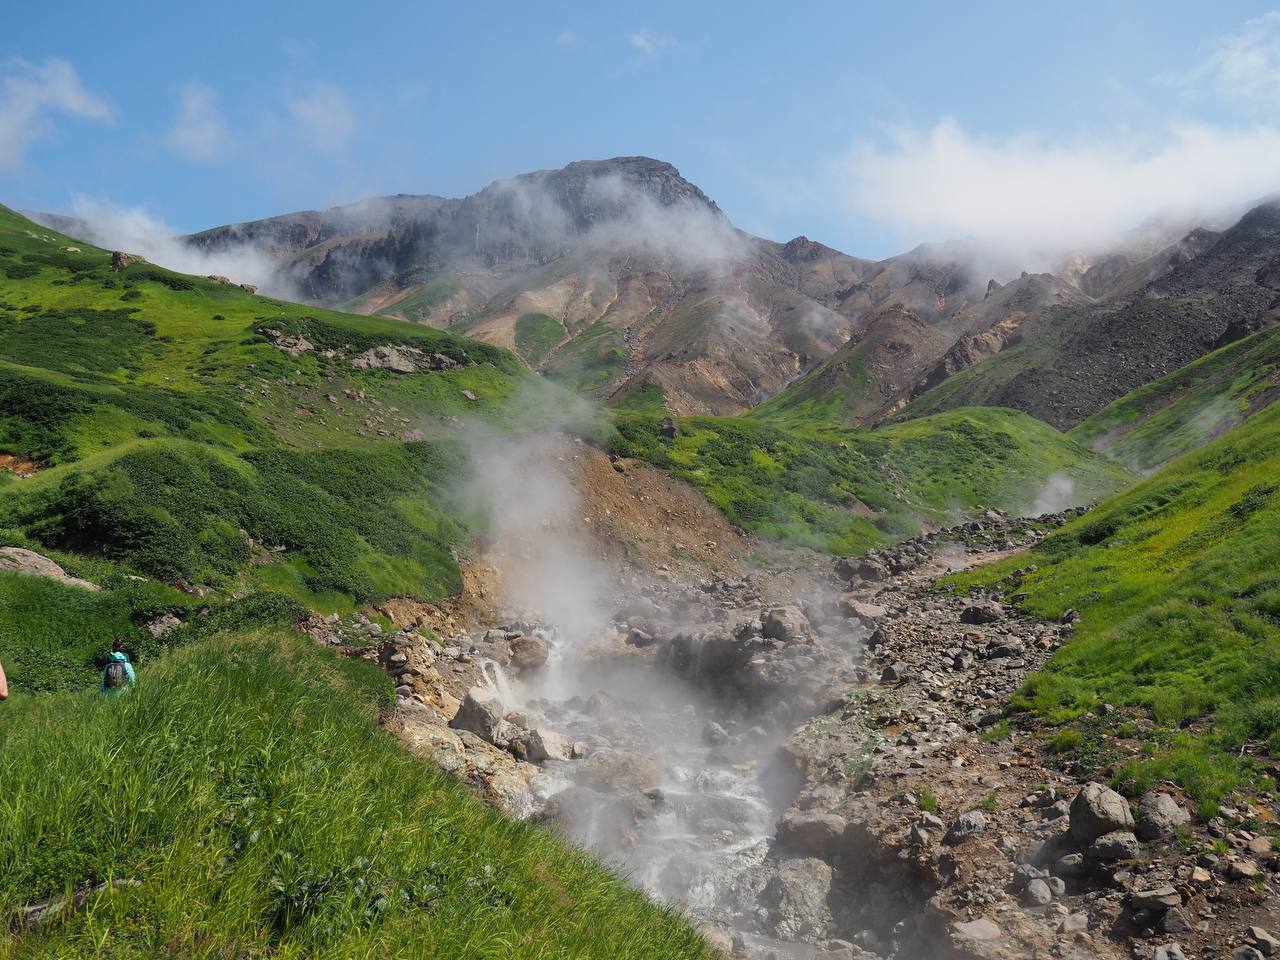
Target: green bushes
point(1178, 586)
point(245, 787)
point(77, 341)
point(846, 490)
point(536, 336)
point(175, 511)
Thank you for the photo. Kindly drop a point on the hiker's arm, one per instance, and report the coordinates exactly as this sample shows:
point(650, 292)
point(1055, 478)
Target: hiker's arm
point(4, 684)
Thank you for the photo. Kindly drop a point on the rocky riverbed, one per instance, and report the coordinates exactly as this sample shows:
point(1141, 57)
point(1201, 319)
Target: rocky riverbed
point(814, 761)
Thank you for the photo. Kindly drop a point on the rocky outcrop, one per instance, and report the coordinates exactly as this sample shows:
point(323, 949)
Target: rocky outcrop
point(30, 563)
point(403, 359)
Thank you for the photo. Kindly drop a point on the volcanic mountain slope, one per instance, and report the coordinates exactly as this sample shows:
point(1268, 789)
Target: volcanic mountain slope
point(616, 277)
point(1066, 364)
point(1190, 407)
point(875, 373)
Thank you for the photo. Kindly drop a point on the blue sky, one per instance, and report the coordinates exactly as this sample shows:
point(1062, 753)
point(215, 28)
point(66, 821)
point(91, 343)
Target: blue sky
point(865, 127)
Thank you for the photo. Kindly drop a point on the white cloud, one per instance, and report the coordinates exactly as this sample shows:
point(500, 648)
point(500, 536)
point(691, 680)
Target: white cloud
point(199, 131)
point(1034, 195)
point(29, 93)
point(325, 118)
point(1243, 68)
point(650, 43)
point(567, 38)
point(134, 229)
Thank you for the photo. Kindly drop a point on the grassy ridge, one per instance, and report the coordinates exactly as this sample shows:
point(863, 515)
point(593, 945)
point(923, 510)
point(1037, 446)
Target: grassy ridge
point(245, 786)
point(178, 442)
point(1186, 409)
point(1178, 580)
point(846, 490)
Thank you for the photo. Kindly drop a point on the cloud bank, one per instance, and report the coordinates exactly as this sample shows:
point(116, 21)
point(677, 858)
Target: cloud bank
point(31, 94)
point(1048, 197)
point(137, 231)
point(199, 130)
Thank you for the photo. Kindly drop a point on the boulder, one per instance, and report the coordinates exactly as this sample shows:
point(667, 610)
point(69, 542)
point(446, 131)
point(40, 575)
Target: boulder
point(966, 826)
point(529, 653)
point(894, 672)
point(481, 713)
point(1096, 811)
point(541, 744)
point(814, 834)
point(866, 612)
point(1156, 900)
point(1037, 894)
point(873, 569)
point(1160, 816)
point(1117, 845)
point(787, 624)
point(18, 560)
point(165, 623)
point(982, 611)
point(120, 260)
point(981, 930)
point(1267, 945)
point(1074, 923)
point(796, 899)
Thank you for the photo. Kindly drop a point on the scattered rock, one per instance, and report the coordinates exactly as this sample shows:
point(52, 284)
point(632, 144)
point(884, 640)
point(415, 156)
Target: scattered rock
point(1159, 816)
point(982, 611)
point(1262, 939)
point(981, 930)
point(787, 624)
point(1098, 810)
point(967, 826)
point(1037, 894)
point(481, 713)
point(165, 623)
point(1117, 845)
point(1156, 899)
point(542, 745)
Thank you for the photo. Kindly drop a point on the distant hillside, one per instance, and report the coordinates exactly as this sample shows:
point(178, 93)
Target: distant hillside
point(902, 349)
point(846, 490)
point(619, 276)
point(182, 430)
point(1190, 407)
point(1065, 364)
point(1176, 581)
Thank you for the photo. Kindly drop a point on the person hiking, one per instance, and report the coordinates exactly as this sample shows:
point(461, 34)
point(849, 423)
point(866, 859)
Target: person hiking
point(117, 675)
point(4, 684)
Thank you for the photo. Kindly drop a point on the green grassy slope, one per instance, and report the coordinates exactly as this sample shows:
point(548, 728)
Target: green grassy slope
point(176, 443)
point(1178, 581)
point(246, 789)
point(847, 490)
point(1186, 409)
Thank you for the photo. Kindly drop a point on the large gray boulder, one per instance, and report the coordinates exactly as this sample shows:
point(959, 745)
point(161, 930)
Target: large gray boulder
point(967, 826)
point(481, 713)
point(1160, 816)
point(542, 744)
point(529, 653)
point(796, 898)
point(1096, 811)
point(787, 624)
point(18, 560)
point(1117, 845)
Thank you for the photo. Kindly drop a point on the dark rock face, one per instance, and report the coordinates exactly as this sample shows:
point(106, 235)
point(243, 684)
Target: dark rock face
point(1202, 293)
